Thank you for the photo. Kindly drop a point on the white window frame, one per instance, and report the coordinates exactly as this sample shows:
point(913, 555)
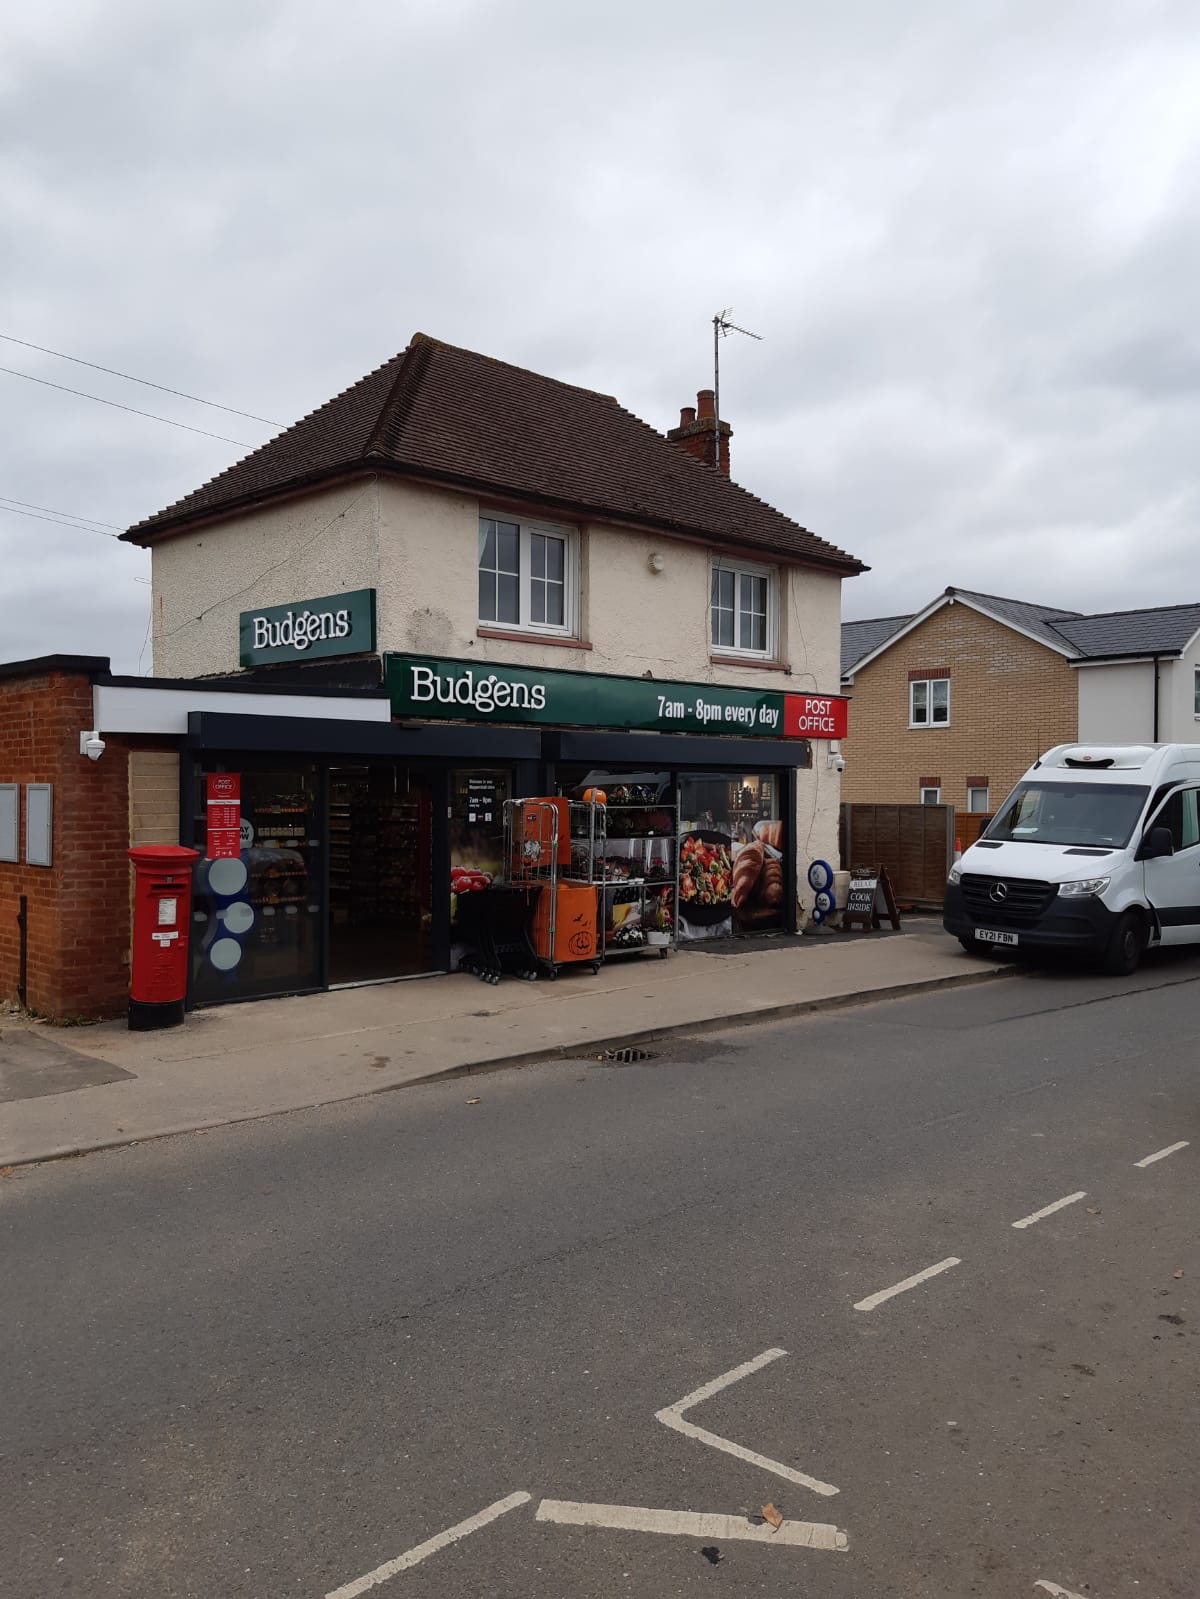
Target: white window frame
point(978, 810)
point(927, 683)
point(571, 568)
point(937, 796)
point(1196, 692)
point(750, 569)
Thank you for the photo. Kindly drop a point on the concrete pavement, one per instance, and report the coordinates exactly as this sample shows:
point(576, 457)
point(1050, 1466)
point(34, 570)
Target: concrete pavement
point(236, 1062)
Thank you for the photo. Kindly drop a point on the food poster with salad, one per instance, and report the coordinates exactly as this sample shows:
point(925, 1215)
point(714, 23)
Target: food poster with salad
point(731, 846)
point(477, 800)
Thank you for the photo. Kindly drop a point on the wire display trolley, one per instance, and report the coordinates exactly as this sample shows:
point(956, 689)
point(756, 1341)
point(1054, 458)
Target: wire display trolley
point(541, 837)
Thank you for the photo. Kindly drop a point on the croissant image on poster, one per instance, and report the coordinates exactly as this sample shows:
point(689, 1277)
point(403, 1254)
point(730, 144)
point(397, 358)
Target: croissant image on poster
point(758, 885)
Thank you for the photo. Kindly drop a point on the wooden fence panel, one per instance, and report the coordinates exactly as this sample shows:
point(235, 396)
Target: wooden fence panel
point(914, 842)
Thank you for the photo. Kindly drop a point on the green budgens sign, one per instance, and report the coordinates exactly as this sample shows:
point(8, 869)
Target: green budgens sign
point(337, 624)
point(427, 689)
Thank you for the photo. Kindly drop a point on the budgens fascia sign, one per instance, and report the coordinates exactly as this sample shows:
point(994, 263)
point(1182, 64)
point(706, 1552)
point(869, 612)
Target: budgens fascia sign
point(424, 688)
point(335, 624)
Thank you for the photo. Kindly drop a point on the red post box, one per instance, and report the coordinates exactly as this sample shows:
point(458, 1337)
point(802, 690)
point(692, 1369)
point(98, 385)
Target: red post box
point(162, 901)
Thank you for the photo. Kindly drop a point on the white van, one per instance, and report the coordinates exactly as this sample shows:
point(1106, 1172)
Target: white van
point(1097, 849)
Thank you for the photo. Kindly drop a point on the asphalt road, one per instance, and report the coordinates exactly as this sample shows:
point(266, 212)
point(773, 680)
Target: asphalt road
point(274, 1359)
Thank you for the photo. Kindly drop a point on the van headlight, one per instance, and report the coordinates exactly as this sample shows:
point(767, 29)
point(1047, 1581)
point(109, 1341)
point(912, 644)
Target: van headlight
point(1085, 886)
point(955, 874)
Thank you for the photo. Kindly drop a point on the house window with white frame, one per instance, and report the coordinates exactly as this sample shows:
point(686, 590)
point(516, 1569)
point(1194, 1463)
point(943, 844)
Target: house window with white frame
point(929, 702)
point(977, 800)
point(1196, 692)
point(528, 576)
point(931, 796)
point(742, 610)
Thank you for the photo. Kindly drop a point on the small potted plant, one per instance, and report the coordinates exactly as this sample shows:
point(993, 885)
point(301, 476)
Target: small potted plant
point(659, 922)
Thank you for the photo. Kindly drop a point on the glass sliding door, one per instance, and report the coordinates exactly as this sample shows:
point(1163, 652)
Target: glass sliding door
point(380, 872)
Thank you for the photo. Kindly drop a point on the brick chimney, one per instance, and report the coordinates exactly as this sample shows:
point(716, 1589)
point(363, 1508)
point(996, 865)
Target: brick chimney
point(696, 432)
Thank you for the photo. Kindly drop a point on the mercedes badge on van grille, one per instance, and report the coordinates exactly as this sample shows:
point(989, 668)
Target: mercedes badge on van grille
point(998, 892)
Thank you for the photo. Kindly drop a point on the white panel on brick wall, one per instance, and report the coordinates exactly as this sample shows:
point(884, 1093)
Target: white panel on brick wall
point(9, 800)
point(38, 824)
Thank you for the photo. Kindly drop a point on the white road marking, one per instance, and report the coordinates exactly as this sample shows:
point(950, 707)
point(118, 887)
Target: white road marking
point(693, 1524)
point(1056, 1591)
point(672, 1416)
point(909, 1282)
point(1161, 1154)
point(1048, 1210)
point(726, 1380)
point(441, 1540)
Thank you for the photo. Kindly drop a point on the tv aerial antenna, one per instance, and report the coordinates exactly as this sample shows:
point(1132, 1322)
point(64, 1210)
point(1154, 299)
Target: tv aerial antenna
point(722, 328)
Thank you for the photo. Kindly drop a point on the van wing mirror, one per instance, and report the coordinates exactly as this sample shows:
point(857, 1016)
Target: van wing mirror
point(1155, 844)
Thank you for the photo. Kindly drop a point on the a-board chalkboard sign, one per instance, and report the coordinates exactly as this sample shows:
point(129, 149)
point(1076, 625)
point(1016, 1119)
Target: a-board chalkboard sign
point(868, 886)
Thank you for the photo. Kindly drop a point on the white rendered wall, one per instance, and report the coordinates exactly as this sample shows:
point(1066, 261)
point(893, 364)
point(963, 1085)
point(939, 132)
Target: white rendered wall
point(1116, 703)
point(322, 543)
point(418, 547)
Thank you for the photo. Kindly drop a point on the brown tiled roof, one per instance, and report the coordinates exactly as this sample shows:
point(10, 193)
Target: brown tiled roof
point(436, 411)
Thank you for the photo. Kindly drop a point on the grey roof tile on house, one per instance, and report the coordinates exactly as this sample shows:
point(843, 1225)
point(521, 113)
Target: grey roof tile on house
point(1163, 630)
point(447, 415)
point(860, 638)
point(1040, 620)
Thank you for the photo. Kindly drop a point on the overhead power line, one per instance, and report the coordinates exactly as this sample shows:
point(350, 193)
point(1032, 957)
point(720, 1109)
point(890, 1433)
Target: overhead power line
point(129, 378)
point(78, 526)
point(187, 427)
point(6, 501)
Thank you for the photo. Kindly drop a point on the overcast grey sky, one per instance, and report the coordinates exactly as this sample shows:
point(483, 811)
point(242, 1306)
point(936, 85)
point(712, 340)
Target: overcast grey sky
point(969, 231)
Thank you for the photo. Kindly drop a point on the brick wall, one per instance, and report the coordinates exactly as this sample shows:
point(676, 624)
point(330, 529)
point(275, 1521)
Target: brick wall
point(78, 907)
point(1010, 699)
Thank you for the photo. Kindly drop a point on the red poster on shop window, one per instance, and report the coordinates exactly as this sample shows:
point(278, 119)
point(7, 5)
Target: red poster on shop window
point(815, 716)
point(223, 834)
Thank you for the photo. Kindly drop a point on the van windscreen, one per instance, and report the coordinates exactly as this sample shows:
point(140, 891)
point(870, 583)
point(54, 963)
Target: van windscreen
point(1069, 813)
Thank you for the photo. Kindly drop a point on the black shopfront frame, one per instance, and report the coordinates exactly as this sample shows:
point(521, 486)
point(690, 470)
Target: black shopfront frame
point(219, 740)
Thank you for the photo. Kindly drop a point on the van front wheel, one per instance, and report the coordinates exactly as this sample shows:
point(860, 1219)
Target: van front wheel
point(1126, 945)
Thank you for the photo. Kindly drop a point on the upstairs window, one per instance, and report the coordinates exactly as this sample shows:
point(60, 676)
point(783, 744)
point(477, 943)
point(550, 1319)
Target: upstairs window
point(929, 702)
point(977, 799)
point(742, 610)
point(527, 577)
point(1196, 692)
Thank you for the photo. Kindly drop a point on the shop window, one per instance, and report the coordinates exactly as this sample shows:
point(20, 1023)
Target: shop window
point(527, 576)
point(732, 854)
point(477, 800)
point(929, 702)
point(742, 610)
point(258, 915)
point(977, 800)
point(931, 796)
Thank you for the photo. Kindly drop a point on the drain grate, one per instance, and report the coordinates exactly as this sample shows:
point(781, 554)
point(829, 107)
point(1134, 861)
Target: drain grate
point(628, 1057)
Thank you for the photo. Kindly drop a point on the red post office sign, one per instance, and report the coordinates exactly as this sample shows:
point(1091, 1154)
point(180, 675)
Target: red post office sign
point(223, 833)
point(815, 716)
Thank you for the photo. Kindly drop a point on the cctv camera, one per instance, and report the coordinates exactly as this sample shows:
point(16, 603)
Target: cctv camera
point(91, 745)
point(837, 763)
